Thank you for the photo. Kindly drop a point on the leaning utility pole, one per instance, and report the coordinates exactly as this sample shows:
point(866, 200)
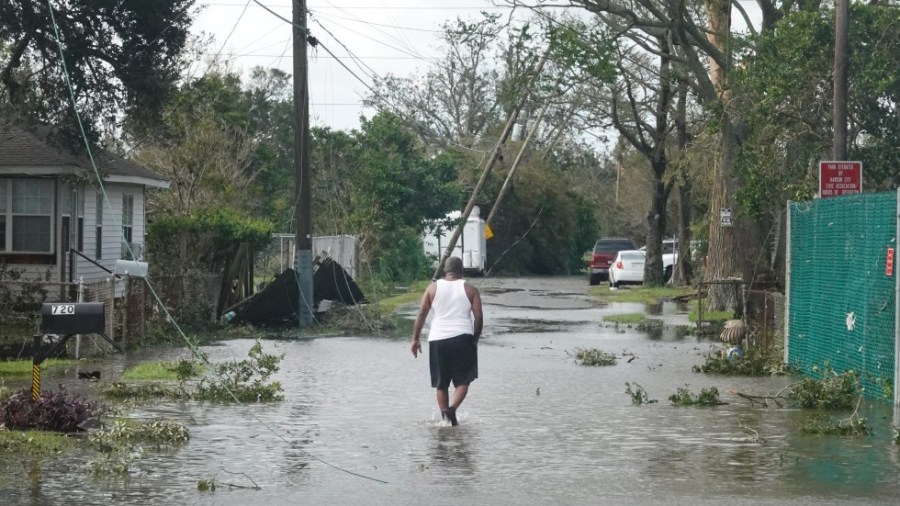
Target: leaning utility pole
point(841, 20)
point(495, 154)
point(303, 259)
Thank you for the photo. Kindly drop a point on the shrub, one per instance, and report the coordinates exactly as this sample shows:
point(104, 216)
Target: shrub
point(55, 411)
point(594, 356)
point(146, 390)
point(834, 391)
point(157, 432)
point(751, 364)
point(244, 381)
point(707, 397)
point(638, 394)
point(825, 425)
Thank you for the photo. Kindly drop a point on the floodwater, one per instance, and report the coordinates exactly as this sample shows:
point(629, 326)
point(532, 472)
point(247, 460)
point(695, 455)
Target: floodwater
point(360, 426)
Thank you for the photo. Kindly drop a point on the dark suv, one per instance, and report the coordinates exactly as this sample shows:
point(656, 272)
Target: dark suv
point(605, 251)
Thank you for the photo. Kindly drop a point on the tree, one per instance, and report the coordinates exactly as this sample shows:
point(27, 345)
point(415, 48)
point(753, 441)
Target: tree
point(637, 101)
point(455, 102)
point(394, 186)
point(704, 47)
point(204, 146)
point(121, 56)
point(787, 100)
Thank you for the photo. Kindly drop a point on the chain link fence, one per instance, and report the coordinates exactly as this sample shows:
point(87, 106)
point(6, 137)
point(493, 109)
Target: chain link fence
point(841, 288)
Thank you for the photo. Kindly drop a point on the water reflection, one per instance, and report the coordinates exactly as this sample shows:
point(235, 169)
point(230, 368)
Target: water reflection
point(537, 429)
point(667, 307)
point(451, 454)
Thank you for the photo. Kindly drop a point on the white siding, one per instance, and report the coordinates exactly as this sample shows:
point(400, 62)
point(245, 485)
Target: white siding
point(112, 228)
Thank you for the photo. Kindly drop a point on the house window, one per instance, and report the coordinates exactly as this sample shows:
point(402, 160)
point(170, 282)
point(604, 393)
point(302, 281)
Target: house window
point(127, 225)
point(98, 241)
point(26, 215)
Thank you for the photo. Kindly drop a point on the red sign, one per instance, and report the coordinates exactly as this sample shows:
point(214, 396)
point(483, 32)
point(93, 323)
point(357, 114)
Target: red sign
point(889, 270)
point(839, 178)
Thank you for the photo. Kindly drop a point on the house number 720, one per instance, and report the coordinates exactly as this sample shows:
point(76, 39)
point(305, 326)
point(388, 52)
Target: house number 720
point(62, 309)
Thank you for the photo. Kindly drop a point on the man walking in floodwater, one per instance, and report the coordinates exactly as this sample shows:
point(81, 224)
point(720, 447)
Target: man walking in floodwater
point(452, 337)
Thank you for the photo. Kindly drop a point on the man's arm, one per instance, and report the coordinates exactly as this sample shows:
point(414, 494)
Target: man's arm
point(424, 308)
point(475, 299)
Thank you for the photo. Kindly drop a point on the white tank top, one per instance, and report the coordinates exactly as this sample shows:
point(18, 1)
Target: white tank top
point(452, 311)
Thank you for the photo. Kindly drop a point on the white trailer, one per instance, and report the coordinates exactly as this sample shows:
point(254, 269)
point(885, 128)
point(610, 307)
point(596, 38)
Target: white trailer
point(471, 245)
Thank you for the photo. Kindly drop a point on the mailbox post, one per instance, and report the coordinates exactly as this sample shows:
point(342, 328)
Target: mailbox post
point(65, 319)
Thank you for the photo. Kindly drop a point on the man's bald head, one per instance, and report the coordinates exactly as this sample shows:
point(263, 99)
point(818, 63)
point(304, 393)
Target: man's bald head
point(454, 265)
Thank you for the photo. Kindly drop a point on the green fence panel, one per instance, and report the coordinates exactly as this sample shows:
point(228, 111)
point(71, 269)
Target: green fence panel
point(841, 300)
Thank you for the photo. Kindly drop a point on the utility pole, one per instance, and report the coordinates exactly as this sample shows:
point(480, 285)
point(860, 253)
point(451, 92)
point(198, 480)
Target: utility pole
point(302, 181)
point(841, 21)
point(495, 154)
point(512, 170)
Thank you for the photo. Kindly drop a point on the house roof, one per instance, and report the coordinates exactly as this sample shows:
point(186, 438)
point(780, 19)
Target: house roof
point(37, 150)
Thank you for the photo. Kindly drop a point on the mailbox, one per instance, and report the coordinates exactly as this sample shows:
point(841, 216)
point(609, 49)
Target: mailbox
point(68, 318)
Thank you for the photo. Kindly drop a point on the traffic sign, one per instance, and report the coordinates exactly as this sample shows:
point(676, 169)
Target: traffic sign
point(839, 178)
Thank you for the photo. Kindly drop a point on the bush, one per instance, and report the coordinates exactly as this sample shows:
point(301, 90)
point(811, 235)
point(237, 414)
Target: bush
point(53, 411)
point(158, 432)
point(146, 390)
point(825, 425)
point(594, 356)
point(834, 391)
point(707, 397)
point(751, 364)
point(638, 394)
point(244, 381)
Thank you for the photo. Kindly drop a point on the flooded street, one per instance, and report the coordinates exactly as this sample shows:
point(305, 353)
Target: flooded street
point(359, 425)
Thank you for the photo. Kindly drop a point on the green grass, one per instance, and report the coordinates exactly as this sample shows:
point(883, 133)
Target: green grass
point(162, 371)
point(643, 294)
point(34, 442)
point(627, 318)
point(388, 305)
point(19, 369)
point(150, 371)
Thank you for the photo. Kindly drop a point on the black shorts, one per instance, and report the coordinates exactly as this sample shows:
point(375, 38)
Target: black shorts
point(454, 359)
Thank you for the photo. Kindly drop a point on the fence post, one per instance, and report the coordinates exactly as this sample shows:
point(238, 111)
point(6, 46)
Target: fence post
point(897, 321)
point(787, 284)
point(80, 299)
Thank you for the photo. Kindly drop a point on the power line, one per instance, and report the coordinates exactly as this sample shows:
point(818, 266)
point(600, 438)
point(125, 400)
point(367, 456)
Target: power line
point(329, 57)
point(408, 28)
point(370, 7)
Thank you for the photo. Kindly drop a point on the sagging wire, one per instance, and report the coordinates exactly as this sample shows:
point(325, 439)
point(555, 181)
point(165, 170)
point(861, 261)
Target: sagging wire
point(356, 76)
point(194, 350)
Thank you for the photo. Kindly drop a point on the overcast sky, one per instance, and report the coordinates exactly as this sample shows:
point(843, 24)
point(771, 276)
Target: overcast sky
point(388, 36)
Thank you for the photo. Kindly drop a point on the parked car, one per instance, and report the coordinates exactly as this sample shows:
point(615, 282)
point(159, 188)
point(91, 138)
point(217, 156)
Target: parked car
point(627, 268)
point(605, 251)
point(669, 257)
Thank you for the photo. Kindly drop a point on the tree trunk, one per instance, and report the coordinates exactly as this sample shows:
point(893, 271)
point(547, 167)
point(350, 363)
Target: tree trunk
point(683, 271)
point(720, 261)
point(656, 218)
point(656, 223)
